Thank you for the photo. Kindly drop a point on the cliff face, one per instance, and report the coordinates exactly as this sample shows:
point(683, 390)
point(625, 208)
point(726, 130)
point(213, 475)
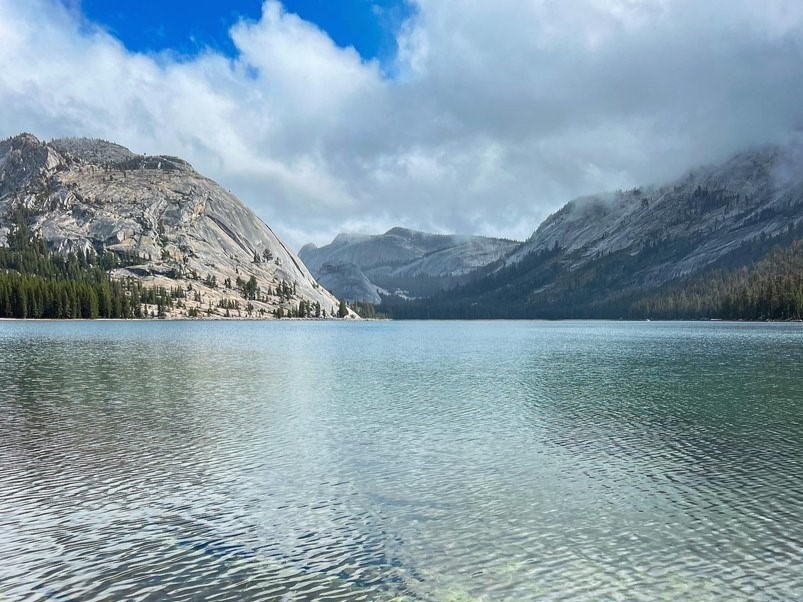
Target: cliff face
point(95, 196)
point(400, 261)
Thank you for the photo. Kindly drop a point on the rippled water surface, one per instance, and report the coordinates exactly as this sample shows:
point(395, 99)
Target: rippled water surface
point(401, 461)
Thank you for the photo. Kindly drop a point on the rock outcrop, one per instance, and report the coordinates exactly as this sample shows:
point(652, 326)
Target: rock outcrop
point(94, 196)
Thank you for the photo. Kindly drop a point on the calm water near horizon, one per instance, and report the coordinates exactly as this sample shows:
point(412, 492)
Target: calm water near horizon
point(401, 461)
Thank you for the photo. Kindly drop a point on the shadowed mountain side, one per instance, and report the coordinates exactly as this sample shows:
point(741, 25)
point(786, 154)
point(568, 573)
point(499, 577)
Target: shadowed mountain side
point(673, 251)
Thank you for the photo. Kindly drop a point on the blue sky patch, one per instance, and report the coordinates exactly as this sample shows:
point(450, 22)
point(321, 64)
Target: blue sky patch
point(187, 28)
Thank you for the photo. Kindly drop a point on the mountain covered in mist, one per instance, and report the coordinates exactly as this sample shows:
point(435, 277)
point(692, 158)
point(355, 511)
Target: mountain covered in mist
point(658, 251)
point(400, 262)
point(161, 223)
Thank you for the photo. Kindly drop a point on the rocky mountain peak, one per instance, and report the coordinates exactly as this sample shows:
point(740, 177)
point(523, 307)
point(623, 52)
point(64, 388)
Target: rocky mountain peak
point(101, 153)
point(23, 139)
point(345, 238)
point(169, 225)
point(403, 232)
point(24, 162)
point(93, 150)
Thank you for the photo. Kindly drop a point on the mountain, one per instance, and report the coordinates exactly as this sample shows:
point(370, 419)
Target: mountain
point(164, 224)
point(349, 282)
point(401, 262)
point(605, 255)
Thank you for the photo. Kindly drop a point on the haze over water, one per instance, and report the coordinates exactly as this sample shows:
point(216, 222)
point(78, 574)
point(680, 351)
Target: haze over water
point(401, 460)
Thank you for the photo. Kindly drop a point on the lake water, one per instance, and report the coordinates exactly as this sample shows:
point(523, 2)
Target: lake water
point(401, 461)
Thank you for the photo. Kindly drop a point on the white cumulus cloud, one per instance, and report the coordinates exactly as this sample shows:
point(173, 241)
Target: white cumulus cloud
point(496, 114)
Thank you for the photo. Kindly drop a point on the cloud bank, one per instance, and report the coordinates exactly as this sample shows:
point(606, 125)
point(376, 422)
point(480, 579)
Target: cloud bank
point(495, 115)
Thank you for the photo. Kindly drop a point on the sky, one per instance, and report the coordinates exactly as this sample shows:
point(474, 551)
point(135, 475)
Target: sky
point(453, 116)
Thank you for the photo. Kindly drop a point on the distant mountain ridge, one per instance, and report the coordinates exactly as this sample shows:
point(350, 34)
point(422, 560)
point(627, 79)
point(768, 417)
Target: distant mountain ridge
point(600, 255)
point(173, 226)
point(401, 262)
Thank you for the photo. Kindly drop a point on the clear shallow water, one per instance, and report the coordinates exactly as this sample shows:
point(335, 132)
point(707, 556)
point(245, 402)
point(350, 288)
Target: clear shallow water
point(410, 461)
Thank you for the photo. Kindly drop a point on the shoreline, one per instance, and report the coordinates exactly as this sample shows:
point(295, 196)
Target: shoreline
point(353, 319)
point(220, 319)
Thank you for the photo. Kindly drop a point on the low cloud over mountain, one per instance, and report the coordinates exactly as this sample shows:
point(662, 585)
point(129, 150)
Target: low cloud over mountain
point(489, 117)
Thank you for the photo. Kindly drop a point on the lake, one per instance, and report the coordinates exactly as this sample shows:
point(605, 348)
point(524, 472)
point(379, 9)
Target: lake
point(401, 461)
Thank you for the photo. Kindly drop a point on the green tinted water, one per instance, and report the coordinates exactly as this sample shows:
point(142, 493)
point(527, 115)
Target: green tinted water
point(421, 461)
